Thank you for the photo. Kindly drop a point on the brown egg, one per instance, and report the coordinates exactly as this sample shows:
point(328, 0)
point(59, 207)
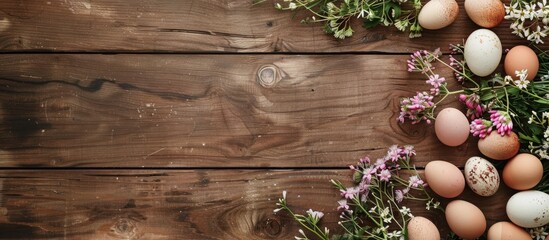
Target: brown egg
point(444, 178)
point(499, 147)
point(420, 228)
point(519, 58)
point(523, 172)
point(465, 219)
point(451, 127)
point(507, 231)
point(485, 13)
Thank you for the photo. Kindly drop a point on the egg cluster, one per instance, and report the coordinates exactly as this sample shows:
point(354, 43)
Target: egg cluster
point(483, 52)
point(527, 208)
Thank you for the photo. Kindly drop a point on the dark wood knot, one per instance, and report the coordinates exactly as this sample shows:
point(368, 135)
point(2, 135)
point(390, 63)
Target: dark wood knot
point(124, 228)
point(272, 227)
point(268, 76)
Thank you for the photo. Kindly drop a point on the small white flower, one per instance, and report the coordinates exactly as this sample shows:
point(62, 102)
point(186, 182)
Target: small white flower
point(292, 6)
point(404, 210)
point(507, 79)
point(522, 83)
point(538, 233)
point(394, 234)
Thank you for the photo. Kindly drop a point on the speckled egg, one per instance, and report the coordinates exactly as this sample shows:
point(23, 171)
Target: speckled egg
point(465, 219)
point(481, 176)
point(482, 52)
point(523, 172)
point(437, 14)
point(451, 127)
point(444, 178)
point(420, 228)
point(507, 231)
point(529, 209)
point(485, 13)
point(497, 147)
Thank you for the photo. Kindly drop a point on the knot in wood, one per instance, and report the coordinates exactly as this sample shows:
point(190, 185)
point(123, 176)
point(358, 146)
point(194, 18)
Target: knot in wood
point(124, 228)
point(272, 227)
point(268, 76)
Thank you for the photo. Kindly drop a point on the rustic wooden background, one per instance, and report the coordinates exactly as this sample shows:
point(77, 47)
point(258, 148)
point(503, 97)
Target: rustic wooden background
point(162, 119)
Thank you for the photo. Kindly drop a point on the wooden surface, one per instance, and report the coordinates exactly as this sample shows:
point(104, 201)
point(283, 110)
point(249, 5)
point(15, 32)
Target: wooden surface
point(196, 26)
point(187, 119)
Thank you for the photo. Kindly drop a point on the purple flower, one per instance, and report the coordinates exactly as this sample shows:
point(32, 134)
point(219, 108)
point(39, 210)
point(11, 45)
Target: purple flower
point(458, 66)
point(394, 153)
point(365, 160)
point(399, 196)
point(420, 61)
point(501, 121)
point(416, 108)
point(415, 181)
point(364, 186)
point(384, 175)
point(350, 193)
point(380, 164)
point(367, 174)
point(481, 127)
point(342, 204)
point(408, 151)
point(436, 82)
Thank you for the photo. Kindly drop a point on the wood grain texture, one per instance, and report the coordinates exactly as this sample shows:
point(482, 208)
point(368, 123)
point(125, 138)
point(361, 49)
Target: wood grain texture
point(203, 111)
point(201, 204)
point(199, 26)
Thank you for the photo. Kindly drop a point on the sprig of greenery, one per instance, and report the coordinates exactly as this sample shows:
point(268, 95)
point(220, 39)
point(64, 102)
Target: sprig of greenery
point(374, 203)
point(337, 15)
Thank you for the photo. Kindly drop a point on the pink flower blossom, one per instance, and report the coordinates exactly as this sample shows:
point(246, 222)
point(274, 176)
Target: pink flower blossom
point(380, 164)
point(420, 61)
point(343, 205)
point(394, 153)
point(472, 102)
point(481, 128)
point(399, 196)
point(365, 160)
point(415, 181)
point(384, 175)
point(350, 193)
point(416, 108)
point(501, 121)
point(436, 82)
point(408, 151)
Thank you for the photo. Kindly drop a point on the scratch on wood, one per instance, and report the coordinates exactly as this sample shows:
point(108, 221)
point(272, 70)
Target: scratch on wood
point(155, 152)
point(46, 110)
point(30, 76)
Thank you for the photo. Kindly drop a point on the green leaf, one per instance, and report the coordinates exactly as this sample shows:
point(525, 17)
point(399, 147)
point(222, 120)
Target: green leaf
point(371, 23)
point(485, 96)
point(528, 138)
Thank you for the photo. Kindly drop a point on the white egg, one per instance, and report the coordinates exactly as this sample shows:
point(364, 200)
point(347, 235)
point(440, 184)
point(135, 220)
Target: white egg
point(481, 176)
point(482, 52)
point(529, 209)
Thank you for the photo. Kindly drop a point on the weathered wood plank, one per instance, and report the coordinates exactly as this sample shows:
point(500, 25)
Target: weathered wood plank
point(197, 26)
point(207, 111)
point(201, 204)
